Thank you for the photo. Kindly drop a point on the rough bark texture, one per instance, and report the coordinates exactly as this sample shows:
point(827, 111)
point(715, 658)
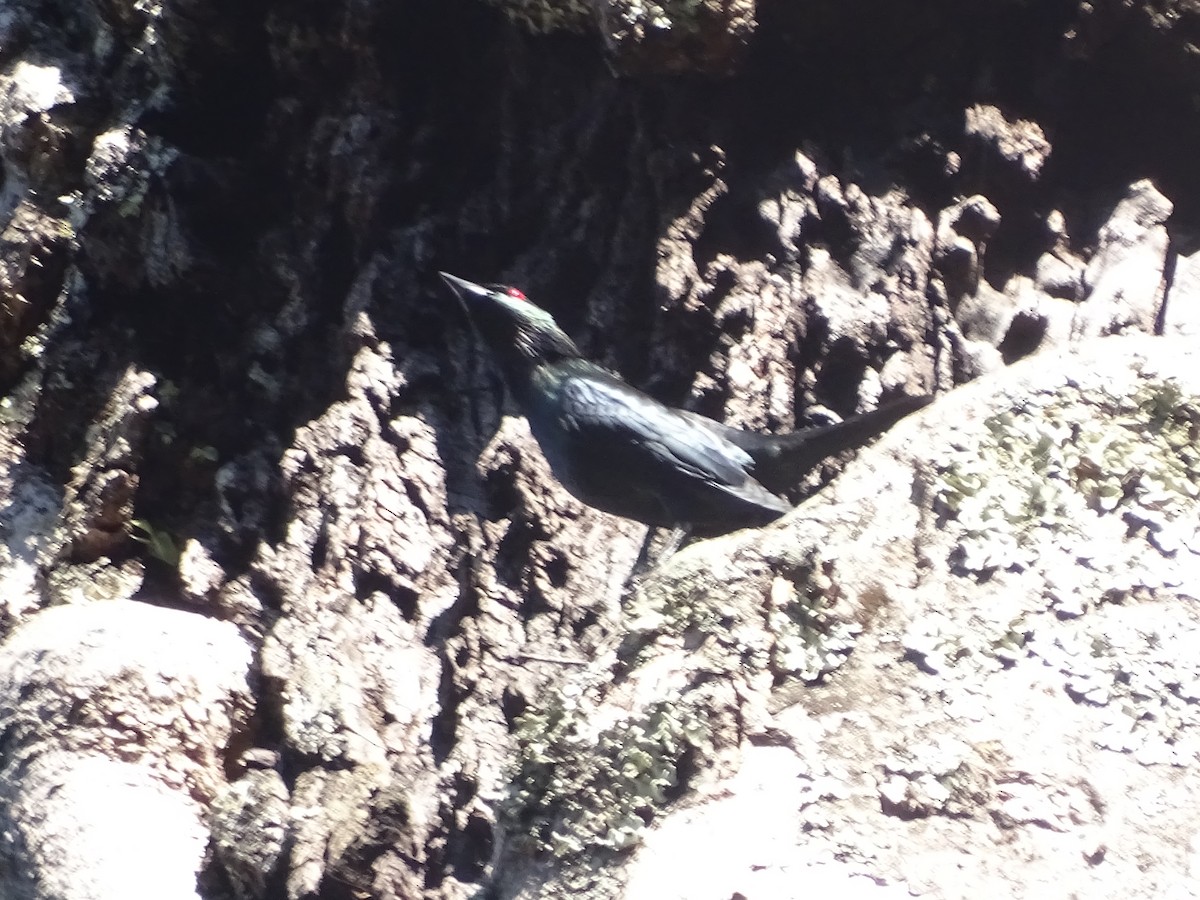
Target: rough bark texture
point(240, 413)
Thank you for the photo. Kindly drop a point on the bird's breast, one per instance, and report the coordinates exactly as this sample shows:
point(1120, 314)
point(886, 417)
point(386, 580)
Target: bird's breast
point(546, 408)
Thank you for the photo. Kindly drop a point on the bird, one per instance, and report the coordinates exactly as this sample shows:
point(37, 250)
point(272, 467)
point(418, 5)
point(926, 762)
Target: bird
point(621, 451)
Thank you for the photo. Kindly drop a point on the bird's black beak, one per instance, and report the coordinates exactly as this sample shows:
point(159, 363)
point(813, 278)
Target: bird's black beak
point(465, 290)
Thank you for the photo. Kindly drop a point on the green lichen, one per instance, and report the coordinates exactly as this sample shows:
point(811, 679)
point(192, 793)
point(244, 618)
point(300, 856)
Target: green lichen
point(937, 643)
point(1139, 670)
point(572, 791)
point(795, 628)
point(1045, 471)
point(811, 639)
point(938, 776)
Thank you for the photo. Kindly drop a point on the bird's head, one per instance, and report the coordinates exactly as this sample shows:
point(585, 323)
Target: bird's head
point(520, 334)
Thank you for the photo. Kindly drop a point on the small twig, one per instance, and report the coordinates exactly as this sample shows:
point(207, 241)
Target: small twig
point(538, 657)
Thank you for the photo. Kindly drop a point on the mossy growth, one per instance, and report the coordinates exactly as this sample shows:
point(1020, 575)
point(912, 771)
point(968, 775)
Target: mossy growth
point(573, 792)
point(158, 542)
point(1042, 472)
point(799, 630)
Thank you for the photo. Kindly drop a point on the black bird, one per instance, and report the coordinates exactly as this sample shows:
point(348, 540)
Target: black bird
point(625, 453)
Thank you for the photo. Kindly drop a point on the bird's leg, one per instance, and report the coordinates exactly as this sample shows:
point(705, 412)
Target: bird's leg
point(679, 537)
point(656, 550)
point(641, 565)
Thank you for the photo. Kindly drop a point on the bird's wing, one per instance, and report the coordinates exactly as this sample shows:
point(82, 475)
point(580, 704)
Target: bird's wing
point(619, 419)
point(624, 452)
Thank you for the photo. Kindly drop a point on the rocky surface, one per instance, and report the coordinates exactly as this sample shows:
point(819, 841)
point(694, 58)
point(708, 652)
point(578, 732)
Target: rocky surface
point(1024, 629)
point(256, 470)
point(118, 717)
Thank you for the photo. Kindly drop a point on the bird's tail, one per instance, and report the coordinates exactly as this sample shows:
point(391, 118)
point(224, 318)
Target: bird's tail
point(781, 460)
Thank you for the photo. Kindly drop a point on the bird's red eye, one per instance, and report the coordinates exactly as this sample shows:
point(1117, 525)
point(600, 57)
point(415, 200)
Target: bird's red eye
point(516, 294)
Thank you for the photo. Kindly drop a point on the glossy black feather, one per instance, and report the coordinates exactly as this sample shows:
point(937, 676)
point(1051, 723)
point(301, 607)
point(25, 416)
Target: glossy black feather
point(620, 450)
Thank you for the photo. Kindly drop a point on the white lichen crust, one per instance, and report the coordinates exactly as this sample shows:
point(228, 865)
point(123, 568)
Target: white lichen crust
point(1046, 472)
